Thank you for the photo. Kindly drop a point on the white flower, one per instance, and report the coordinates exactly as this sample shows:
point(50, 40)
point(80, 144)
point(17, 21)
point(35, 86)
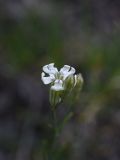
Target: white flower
point(55, 77)
point(61, 80)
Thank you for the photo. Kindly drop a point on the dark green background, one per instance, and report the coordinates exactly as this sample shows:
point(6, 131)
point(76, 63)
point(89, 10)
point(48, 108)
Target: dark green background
point(82, 33)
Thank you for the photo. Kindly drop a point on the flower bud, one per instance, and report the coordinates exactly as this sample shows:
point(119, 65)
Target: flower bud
point(68, 86)
point(77, 85)
point(78, 81)
point(54, 98)
point(69, 83)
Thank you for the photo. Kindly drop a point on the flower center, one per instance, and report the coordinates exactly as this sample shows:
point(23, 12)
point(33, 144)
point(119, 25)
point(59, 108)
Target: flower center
point(59, 76)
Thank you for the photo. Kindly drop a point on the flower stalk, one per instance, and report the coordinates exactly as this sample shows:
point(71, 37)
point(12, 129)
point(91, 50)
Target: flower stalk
point(63, 82)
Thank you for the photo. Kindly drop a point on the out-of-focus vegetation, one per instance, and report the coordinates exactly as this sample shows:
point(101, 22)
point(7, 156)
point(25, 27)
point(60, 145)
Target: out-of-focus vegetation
point(84, 34)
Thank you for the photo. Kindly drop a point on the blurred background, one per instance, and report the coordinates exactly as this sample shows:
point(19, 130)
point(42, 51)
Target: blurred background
point(82, 33)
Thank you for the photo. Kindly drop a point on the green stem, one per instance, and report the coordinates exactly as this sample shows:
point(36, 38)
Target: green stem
point(54, 121)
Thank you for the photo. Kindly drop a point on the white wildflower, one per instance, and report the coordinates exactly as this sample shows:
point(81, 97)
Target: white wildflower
point(56, 78)
point(62, 80)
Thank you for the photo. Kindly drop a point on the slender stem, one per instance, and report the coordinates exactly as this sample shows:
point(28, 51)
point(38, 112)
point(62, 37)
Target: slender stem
point(54, 121)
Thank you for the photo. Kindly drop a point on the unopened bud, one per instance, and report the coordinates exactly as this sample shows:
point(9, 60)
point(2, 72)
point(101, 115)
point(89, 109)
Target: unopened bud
point(69, 83)
point(77, 85)
point(78, 81)
point(54, 98)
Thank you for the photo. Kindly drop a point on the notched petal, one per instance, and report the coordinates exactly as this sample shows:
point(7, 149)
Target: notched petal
point(67, 71)
point(72, 70)
point(58, 85)
point(50, 69)
point(47, 80)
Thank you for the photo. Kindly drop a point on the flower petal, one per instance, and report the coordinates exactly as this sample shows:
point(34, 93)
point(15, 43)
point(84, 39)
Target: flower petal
point(58, 85)
point(50, 69)
point(66, 71)
point(72, 70)
point(47, 80)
